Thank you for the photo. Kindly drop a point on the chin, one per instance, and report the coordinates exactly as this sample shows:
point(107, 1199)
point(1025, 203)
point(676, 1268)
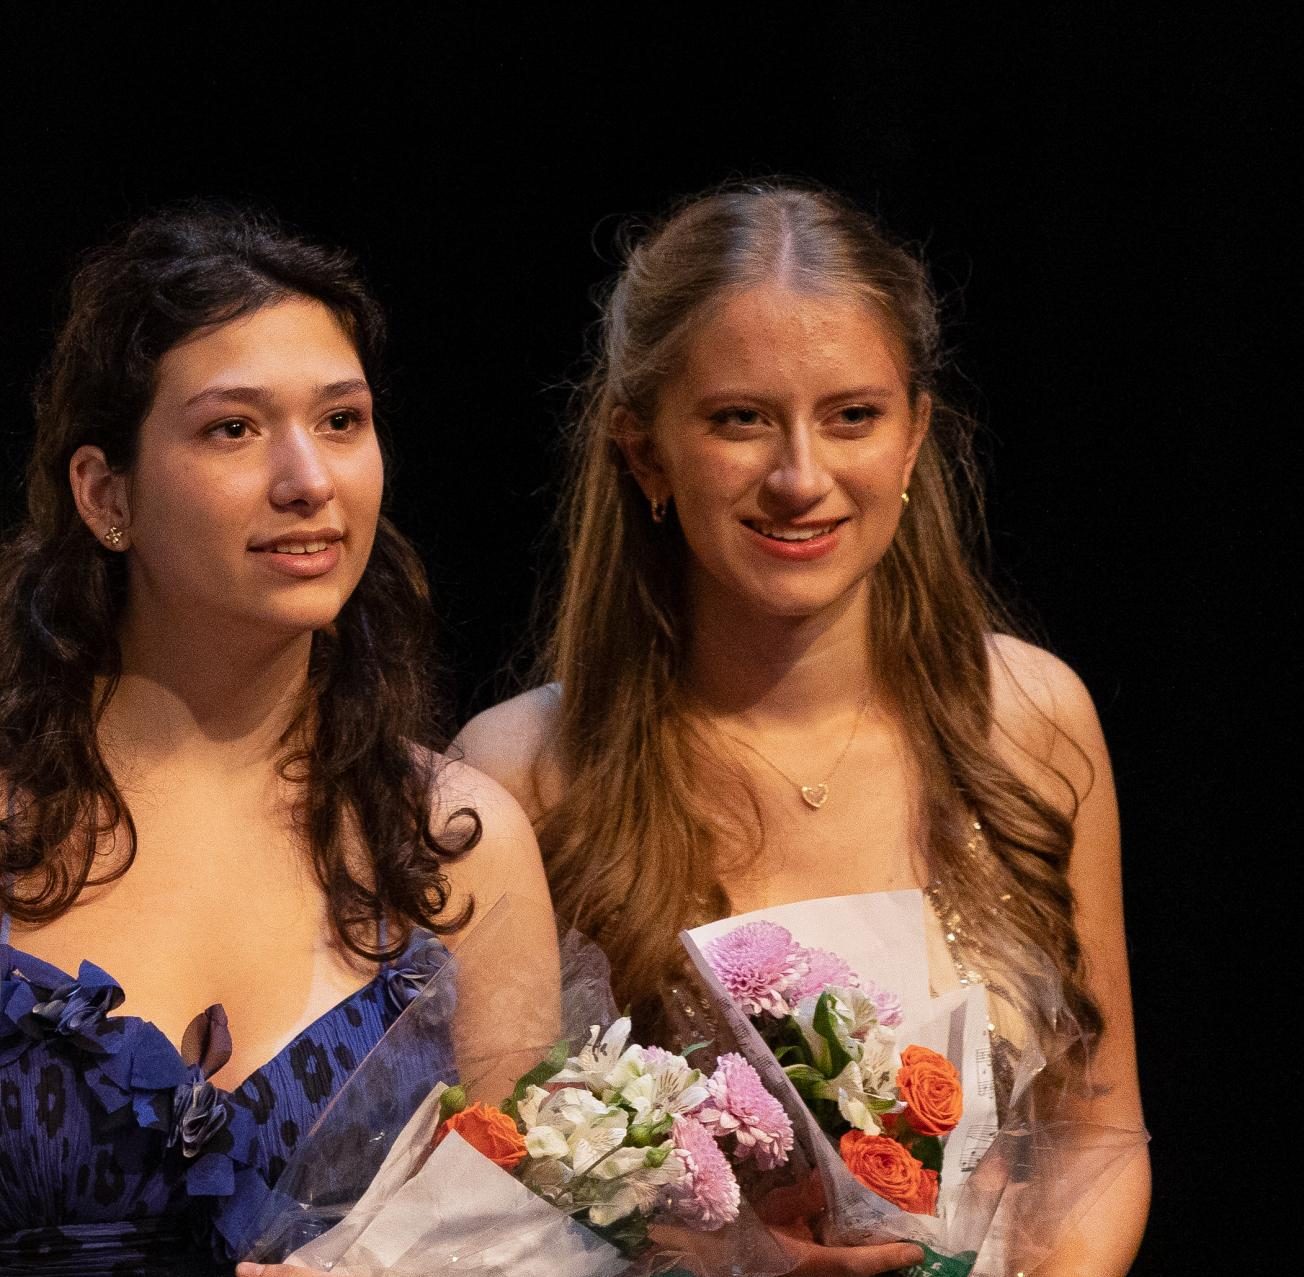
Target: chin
point(303, 619)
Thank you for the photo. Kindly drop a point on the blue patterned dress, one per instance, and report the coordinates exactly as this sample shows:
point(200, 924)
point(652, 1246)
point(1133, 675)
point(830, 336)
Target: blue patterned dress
point(119, 1157)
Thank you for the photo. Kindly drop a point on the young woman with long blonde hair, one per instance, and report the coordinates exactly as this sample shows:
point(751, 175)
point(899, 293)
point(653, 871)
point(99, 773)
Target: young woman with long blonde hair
point(774, 674)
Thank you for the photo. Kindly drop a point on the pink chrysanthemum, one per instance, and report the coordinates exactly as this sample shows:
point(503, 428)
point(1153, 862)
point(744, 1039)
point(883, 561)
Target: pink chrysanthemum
point(822, 970)
point(757, 963)
point(886, 1003)
point(739, 1105)
point(707, 1197)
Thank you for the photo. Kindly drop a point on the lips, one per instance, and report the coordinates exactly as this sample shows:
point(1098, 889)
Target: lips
point(312, 541)
point(795, 543)
point(307, 554)
point(793, 534)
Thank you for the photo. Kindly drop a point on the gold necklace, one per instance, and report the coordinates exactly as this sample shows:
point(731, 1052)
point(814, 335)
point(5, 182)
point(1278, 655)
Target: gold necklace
point(814, 796)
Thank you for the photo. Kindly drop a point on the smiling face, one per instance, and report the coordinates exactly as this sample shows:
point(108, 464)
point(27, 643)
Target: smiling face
point(785, 440)
point(257, 483)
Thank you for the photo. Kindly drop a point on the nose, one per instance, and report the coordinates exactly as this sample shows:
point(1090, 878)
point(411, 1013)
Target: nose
point(301, 479)
point(799, 480)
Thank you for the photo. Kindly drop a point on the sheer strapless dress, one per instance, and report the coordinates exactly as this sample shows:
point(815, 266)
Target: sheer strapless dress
point(118, 1156)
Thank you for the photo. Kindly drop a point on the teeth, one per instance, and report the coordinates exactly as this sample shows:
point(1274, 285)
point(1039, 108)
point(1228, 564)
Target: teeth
point(794, 534)
point(300, 547)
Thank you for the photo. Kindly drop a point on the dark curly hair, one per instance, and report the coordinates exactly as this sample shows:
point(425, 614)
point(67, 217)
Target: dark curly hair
point(362, 745)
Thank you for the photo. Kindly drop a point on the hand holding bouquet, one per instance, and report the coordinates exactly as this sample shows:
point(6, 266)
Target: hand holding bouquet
point(889, 1088)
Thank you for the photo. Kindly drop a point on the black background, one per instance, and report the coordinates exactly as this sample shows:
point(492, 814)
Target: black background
point(1100, 196)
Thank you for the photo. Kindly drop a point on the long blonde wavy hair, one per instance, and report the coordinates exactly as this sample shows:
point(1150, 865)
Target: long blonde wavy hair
point(634, 846)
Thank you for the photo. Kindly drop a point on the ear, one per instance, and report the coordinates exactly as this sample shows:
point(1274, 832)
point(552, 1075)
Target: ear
point(923, 417)
point(639, 449)
point(100, 494)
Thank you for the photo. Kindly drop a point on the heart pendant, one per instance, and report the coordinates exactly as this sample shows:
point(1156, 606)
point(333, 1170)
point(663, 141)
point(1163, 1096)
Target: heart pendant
point(815, 795)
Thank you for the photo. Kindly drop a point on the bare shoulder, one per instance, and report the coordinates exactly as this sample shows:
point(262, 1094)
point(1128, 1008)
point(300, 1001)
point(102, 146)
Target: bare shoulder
point(1045, 721)
point(505, 857)
point(515, 743)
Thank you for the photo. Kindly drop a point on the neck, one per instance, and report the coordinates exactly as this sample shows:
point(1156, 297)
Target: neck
point(194, 690)
point(766, 671)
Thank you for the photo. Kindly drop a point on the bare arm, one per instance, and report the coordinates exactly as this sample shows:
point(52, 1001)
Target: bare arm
point(508, 993)
point(1047, 718)
point(515, 743)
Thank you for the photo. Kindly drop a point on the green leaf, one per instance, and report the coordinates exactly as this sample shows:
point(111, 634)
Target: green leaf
point(548, 1067)
point(825, 1023)
point(806, 1079)
point(927, 1149)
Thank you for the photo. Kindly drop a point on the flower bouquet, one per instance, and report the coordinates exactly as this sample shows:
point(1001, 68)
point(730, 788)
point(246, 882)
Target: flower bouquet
point(574, 1172)
point(890, 1089)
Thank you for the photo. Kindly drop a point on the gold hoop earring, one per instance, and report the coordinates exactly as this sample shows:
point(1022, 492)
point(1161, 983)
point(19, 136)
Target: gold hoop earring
point(113, 537)
point(905, 498)
point(659, 509)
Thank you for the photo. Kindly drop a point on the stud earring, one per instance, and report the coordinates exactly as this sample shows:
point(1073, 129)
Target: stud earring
point(905, 498)
point(113, 537)
point(659, 509)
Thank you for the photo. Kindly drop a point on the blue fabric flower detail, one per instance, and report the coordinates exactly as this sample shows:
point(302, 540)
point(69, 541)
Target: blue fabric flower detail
point(199, 1111)
point(408, 977)
point(139, 1077)
point(39, 1002)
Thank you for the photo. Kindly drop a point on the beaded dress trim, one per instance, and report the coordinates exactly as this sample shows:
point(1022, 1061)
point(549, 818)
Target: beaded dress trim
point(962, 947)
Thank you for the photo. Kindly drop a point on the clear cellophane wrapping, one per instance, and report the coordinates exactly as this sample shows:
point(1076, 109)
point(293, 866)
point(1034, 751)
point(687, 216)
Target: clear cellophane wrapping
point(365, 1193)
point(1018, 1174)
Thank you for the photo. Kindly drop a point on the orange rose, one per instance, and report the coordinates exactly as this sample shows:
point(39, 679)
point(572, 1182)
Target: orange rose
point(489, 1131)
point(926, 1202)
point(930, 1088)
point(884, 1167)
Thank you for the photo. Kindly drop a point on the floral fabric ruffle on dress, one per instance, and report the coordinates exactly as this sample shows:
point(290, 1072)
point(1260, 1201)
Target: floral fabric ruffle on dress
point(118, 1156)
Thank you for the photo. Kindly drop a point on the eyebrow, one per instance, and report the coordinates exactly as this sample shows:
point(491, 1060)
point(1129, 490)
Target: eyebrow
point(263, 398)
point(720, 398)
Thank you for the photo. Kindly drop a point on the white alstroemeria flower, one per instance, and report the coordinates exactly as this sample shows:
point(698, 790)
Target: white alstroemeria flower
point(855, 1026)
point(664, 1085)
point(880, 1061)
point(592, 1128)
point(855, 1111)
point(546, 1141)
point(638, 1186)
point(856, 1012)
point(587, 1127)
point(528, 1107)
point(595, 1060)
point(860, 1099)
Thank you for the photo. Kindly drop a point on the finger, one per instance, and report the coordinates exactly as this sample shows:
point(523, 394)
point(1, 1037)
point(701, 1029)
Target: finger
point(846, 1261)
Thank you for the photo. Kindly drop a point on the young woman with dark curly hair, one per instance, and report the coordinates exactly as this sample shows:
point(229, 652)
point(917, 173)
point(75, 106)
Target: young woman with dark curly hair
point(218, 752)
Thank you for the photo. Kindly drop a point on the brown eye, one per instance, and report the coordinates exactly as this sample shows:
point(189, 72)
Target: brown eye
point(347, 419)
point(736, 417)
point(233, 429)
point(860, 414)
